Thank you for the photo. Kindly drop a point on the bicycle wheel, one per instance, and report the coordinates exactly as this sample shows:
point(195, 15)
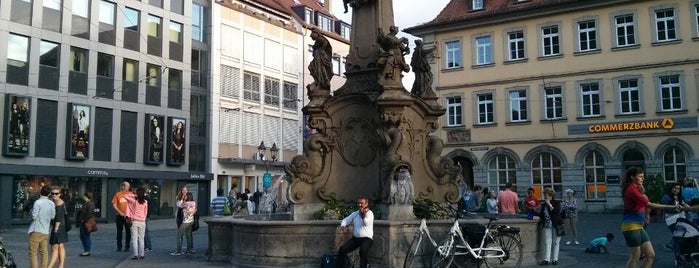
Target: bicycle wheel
point(412, 251)
point(444, 253)
point(513, 252)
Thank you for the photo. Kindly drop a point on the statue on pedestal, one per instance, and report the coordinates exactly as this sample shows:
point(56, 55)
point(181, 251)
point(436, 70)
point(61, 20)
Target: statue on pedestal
point(391, 56)
point(321, 67)
point(422, 87)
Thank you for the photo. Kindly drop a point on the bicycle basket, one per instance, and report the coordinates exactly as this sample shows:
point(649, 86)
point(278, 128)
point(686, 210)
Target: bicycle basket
point(473, 233)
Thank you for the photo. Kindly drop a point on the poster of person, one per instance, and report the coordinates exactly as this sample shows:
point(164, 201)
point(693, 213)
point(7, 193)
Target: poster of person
point(154, 139)
point(176, 138)
point(17, 125)
point(78, 131)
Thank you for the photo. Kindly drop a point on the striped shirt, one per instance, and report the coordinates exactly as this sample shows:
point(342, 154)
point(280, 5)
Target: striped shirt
point(217, 205)
point(634, 209)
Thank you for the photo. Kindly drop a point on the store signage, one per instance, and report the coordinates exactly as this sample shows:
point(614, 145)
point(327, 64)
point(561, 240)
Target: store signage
point(197, 176)
point(666, 123)
point(97, 172)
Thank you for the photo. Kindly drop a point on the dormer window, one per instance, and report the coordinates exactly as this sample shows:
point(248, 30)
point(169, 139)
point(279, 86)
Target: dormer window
point(477, 4)
point(325, 23)
point(309, 16)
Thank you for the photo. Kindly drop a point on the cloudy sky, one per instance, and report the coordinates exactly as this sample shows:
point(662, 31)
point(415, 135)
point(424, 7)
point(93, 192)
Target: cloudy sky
point(407, 13)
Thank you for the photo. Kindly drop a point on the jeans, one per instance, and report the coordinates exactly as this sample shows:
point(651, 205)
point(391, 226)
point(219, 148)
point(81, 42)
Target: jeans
point(38, 241)
point(186, 230)
point(85, 239)
point(550, 237)
point(363, 243)
point(138, 233)
point(121, 227)
point(147, 239)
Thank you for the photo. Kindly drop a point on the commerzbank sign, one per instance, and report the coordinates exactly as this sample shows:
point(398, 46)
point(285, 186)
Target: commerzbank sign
point(665, 123)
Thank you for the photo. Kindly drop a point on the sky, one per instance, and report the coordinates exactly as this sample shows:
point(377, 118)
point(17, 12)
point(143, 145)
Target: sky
point(406, 13)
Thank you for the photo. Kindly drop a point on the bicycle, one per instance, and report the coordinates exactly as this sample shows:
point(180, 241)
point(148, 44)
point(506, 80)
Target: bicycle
point(416, 244)
point(500, 246)
point(6, 260)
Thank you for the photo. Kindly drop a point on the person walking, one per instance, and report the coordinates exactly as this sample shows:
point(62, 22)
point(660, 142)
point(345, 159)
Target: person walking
point(218, 203)
point(363, 237)
point(119, 203)
point(137, 211)
point(550, 222)
point(508, 201)
point(570, 215)
point(634, 218)
point(59, 234)
point(189, 207)
point(85, 214)
point(43, 211)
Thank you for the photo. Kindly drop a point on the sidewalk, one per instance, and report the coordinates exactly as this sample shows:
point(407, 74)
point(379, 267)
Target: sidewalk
point(163, 233)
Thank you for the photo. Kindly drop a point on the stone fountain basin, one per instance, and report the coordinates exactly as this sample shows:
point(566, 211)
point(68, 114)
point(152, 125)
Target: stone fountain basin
point(264, 241)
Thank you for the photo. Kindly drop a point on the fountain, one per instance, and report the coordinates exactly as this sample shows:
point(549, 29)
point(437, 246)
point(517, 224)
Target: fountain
point(372, 138)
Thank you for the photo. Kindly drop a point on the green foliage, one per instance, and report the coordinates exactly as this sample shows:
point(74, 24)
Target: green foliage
point(427, 209)
point(655, 187)
point(337, 210)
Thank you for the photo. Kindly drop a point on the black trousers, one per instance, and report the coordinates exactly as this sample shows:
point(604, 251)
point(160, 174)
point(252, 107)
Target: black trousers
point(363, 243)
point(120, 228)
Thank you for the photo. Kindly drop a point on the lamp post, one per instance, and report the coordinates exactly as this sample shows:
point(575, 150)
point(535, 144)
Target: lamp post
point(261, 150)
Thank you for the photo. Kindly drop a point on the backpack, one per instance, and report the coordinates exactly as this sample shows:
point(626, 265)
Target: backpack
point(227, 208)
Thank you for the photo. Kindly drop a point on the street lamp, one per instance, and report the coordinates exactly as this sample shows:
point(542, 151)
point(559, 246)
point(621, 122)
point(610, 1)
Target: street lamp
point(261, 150)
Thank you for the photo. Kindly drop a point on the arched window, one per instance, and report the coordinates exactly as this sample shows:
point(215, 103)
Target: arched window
point(501, 170)
point(546, 172)
point(595, 185)
point(674, 165)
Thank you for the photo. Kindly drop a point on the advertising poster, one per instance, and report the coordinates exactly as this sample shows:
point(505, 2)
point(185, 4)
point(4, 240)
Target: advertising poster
point(78, 145)
point(154, 139)
point(177, 139)
point(17, 126)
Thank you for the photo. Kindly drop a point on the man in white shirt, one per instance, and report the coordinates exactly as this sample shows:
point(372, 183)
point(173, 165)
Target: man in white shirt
point(362, 238)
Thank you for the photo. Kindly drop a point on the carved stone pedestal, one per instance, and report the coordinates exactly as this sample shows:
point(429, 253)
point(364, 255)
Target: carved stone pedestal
point(397, 212)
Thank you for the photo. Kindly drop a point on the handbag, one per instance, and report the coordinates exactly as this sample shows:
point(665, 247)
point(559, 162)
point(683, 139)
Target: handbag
point(90, 225)
point(196, 222)
point(560, 230)
point(129, 222)
point(671, 218)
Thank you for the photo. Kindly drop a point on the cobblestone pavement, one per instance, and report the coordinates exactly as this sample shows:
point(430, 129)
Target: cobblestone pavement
point(163, 235)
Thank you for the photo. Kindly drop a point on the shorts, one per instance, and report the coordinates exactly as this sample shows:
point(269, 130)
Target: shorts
point(635, 238)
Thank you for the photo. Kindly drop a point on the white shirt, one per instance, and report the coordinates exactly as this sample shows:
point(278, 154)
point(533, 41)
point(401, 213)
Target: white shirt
point(362, 227)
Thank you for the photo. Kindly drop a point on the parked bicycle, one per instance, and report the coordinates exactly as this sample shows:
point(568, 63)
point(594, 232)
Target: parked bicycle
point(500, 246)
point(6, 260)
point(416, 245)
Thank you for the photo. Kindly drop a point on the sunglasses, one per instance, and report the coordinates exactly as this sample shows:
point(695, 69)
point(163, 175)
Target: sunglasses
point(55, 193)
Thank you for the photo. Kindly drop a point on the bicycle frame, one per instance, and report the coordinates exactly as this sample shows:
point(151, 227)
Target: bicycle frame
point(463, 248)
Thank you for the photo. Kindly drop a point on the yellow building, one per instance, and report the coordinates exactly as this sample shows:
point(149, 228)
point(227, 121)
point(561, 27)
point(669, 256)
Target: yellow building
point(568, 94)
point(260, 50)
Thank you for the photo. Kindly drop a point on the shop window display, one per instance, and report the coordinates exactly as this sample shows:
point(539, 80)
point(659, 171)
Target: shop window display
point(26, 191)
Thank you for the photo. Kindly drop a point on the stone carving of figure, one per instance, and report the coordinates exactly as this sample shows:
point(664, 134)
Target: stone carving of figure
point(402, 188)
point(391, 57)
point(321, 67)
point(422, 87)
point(353, 3)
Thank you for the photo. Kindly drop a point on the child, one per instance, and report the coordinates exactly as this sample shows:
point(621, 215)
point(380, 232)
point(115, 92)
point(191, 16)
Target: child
point(600, 243)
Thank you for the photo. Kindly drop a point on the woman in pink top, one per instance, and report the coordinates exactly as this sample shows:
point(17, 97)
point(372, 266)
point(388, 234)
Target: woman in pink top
point(137, 210)
point(189, 208)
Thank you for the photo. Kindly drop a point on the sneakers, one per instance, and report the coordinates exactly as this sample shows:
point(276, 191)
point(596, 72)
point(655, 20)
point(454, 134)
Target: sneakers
point(135, 258)
point(176, 253)
point(148, 250)
point(141, 257)
point(85, 254)
point(568, 243)
point(577, 243)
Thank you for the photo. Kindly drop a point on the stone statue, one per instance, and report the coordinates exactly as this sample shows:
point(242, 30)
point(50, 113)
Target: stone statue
point(402, 188)
point(353, 3)
point(442, 167)
point(422, 87)
point(391, 60)
point(321, 67)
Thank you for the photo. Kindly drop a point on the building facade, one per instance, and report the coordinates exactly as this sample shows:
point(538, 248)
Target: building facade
point(259, 75)
point(96, 92)
point(568, 94)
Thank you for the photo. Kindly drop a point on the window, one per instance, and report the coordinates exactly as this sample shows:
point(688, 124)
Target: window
point(230, 81)
point(345, 31)
point(198, 23)
point(454, 113)
point(670, 93)
point(696, 20)
point(174, 89)
point(484, 50)
point(595, 183)
point(515, 41)
point(130, 83)
point(625, 30)
point(107, 28)
point(587, 34)
point(271, 92)
point(49, 58)
point(77, 65)
point(453, 54)
point(175, 41)
point(486, 109)
point(325, 23)
point(553, 106)
point(51, 20)
point(21, 11)
point(81, 19)
point(590, 100)
point(501, 170)
point(156, 3)
point(477, 4)
point(290, 96)
point(154, 35)
point(674, 165)
point(251, 87)
point(546, 172)
point(105, 65)
point(197, 63)
point(17, 59)
point(132, 27)
point(518, 106)
point(550, 40)
point(153, 84)
point(177, 6)
point(309, 16)
point(336, 64)
point(665, 25)
point(629, 96)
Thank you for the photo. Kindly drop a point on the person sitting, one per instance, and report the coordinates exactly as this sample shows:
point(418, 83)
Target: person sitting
point(599, 244)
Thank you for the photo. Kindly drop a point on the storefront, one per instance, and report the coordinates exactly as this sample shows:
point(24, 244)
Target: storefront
point(20, 186)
